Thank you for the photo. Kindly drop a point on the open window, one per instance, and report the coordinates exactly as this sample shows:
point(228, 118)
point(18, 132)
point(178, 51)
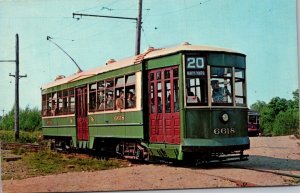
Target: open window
point(92, 97)
point(109, 94)
point(130, 81)
point(221, 85)
point(101, 99)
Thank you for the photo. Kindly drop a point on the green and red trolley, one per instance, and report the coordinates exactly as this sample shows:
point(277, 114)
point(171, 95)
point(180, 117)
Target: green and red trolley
point(186, 102)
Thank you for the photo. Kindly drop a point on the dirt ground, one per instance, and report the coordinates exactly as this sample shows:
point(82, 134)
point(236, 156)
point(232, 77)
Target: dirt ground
point(272, 154)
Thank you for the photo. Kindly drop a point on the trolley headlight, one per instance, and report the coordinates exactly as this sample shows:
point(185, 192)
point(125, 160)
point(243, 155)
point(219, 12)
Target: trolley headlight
point(224, 117)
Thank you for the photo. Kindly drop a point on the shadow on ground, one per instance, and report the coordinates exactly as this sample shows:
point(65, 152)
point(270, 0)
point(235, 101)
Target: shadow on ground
point(269, 163)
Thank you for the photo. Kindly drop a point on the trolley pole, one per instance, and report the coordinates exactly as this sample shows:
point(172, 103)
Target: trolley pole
point(17, 77)
point(138, 20)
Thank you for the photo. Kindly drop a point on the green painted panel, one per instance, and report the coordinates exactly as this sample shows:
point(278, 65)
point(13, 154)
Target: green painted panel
point(200, 123)
point(166, 61)
point(70, 120)
point(166, 151)
point(222, 59)
point(117, 118)
point(60, 131)
point(216, 141)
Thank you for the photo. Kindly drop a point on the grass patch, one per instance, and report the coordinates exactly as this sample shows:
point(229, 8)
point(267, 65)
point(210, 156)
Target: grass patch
point(49, 162)
point(297, 181)
point(25, 136)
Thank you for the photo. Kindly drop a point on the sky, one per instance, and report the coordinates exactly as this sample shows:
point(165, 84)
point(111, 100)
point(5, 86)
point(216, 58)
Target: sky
point(264, 30)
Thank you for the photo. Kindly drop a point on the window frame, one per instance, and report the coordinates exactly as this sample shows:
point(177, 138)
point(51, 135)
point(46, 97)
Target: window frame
point(231, 104)
point(244, 89)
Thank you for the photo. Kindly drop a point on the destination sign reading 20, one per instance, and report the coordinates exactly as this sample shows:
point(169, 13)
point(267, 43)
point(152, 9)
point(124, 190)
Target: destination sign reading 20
point(195, 66)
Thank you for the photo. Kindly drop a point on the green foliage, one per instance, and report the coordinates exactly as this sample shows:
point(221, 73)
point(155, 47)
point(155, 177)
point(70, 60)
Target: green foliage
point(25, 137)
point(258, 106)
point(30, 120)
point(286, 123)
point(280, 116)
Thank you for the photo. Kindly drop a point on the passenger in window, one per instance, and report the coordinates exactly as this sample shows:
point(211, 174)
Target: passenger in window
point(130, 100)
point(55, 110)
point(220, 94)
point(110, 102)
point(120, 101)
point(101, 100)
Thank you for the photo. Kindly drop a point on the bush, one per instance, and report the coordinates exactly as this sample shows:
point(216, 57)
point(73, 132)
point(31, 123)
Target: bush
point(286, 123)
point(279, 116)
point(25, 137)
point(29, 120)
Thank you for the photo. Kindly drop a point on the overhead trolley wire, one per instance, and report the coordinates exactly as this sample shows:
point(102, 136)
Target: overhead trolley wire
point(179, 10)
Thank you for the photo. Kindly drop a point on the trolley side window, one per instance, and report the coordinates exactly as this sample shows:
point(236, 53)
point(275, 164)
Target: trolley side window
point(71, 104)
point(130, 91)
point(221, 85)
point(109, 94)
point(92, 97)
point(58, 103)
point(46, 107)
point(196, 81)
point(65, 101)
point(113, 94)
point(101, 99)
point(240, 88)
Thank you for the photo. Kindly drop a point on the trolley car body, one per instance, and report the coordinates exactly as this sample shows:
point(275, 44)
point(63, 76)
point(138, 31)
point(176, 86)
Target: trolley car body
point(253, 123)
point(176, 112)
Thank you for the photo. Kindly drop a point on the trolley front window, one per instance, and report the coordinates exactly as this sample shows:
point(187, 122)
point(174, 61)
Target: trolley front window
point(221, 85)
point(240, 88)
point(196, 81)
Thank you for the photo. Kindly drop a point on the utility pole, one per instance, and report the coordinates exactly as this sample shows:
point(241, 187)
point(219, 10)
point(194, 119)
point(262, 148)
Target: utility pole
point(17, 77)
point(138, 20)
point(138, 29)
point(3, 112)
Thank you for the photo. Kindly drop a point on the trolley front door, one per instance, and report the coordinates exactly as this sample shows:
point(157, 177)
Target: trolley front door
point(163, 95)
point(81, 114)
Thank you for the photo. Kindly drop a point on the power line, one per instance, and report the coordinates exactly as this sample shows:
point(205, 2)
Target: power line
point(100, 5)
point(138, 20)
point(179, 10)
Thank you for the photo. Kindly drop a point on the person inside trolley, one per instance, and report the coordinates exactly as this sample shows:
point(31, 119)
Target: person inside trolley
point(220, 94)
point(130, 100)
point(120, 101)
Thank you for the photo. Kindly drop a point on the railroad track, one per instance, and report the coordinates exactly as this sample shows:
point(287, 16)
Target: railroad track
point(26, 146)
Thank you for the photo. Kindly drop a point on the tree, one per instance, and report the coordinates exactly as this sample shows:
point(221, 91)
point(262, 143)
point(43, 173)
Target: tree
point(258, 106)
point(280, 116)
point(30, 120)
point(286, 123)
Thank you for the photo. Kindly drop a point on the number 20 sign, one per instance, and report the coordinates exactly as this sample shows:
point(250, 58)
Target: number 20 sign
point(194, 63)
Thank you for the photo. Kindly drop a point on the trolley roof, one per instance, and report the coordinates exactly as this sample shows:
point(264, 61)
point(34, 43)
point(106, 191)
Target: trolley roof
point(150, 53)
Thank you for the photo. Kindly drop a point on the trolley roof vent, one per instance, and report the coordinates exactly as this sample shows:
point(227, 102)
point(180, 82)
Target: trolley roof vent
point(60, 77)
point(110, 61)
point(150, 49)
point(185, 43)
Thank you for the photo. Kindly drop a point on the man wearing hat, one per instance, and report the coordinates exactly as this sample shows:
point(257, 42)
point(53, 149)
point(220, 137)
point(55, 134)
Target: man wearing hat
point(219, 94)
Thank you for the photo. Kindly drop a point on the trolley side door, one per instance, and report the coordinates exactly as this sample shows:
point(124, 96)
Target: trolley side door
point(164, 116)
point(81, 114)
